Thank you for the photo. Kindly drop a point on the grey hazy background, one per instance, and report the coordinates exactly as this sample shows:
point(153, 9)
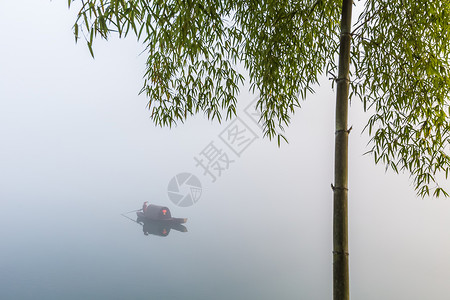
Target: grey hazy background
point(77, 149)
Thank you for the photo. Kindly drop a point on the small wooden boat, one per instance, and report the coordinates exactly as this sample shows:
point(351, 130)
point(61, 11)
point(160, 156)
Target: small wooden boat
point(160, 214)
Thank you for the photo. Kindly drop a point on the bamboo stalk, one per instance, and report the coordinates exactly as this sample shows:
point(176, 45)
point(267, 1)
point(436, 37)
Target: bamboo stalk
point(340, 188)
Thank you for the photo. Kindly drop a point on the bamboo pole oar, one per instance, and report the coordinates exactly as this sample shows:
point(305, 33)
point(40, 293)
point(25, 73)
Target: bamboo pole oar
point(131, 219)
point(133, 211)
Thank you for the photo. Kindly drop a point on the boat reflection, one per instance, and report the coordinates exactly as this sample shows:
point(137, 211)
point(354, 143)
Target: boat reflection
point(159, 228)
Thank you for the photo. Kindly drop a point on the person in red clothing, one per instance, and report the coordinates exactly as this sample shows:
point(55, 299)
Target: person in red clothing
point(144, 207)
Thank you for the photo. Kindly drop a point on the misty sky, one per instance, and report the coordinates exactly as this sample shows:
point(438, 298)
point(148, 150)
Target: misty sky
point(73, 125)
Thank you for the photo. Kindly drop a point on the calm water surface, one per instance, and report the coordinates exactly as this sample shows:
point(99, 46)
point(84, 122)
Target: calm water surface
point(66, 247)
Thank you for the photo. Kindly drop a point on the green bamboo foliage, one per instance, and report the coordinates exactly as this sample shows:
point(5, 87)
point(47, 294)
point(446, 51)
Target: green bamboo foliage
point(194, 49)
point(200, 52)
point(402, 75)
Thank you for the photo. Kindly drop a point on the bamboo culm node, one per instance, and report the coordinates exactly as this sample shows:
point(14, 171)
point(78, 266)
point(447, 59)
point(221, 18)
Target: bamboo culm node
point(341, 252)
point(344, 130)
point(338, 188)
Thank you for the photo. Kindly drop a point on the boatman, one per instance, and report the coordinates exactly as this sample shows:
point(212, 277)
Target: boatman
point(144, 207)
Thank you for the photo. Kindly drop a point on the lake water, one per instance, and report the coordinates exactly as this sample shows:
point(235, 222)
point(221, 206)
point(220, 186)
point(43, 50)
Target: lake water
point(59, 250)
point(63, 235)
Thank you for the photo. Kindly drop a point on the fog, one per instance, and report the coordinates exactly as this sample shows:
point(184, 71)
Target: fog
point(78, 149)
